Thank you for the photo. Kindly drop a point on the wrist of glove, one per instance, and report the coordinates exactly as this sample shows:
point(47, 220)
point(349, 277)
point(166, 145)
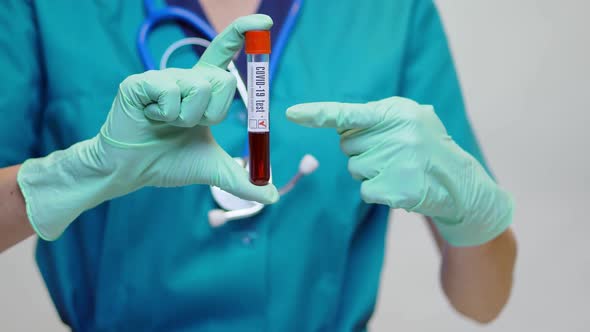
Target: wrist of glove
point(477, 229)
point(472, 209)
point(405, 159)
point(62, 185)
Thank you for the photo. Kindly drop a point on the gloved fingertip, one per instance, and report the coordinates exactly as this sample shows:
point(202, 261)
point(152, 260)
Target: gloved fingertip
point(296, 112)
point(290, 113)
point(264, 20)
point(265, 194)
point(273, 196)
point(253, 22)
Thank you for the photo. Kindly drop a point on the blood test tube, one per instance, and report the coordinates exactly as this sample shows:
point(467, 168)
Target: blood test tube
point(257, 51)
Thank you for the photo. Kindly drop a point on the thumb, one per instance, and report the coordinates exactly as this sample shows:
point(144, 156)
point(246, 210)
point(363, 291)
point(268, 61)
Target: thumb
point(223, 48)
point(342, 116)
point(234, 179)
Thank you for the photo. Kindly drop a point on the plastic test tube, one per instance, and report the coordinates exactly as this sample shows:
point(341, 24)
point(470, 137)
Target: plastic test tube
point(257, 51)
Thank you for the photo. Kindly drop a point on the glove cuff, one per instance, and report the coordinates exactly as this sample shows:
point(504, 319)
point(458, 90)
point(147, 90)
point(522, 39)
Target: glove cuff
point(59, 187)
point(475, 231)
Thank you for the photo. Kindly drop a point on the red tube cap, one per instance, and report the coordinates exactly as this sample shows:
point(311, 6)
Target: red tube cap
point(258, 42)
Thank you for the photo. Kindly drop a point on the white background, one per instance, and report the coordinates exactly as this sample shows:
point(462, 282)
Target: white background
point(524, 67)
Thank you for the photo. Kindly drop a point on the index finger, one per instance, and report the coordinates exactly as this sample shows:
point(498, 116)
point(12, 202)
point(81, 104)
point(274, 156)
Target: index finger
point(341, 116)
point(223, 48)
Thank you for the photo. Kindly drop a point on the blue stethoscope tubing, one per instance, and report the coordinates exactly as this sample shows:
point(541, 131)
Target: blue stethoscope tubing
point(156, 16)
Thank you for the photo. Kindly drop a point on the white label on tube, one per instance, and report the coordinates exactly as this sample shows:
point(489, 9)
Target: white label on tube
point(258, 97)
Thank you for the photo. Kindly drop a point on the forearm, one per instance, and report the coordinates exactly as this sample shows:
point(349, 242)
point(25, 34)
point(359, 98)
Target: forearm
point(478, 280)
point(14, 224)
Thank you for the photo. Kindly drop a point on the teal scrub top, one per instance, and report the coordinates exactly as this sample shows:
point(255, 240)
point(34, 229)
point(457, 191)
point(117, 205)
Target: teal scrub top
point(149, 261)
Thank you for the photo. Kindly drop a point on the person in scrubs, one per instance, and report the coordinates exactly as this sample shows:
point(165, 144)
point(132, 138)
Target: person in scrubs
point(127, 244)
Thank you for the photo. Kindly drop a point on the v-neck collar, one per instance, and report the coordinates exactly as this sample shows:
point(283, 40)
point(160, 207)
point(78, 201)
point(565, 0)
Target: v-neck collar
point(277, 9)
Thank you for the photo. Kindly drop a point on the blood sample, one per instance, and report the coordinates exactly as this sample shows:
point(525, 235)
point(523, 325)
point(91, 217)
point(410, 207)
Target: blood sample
point(257, 51)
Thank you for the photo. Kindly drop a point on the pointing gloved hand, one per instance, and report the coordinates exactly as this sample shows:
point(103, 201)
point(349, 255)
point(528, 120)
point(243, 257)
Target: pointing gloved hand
point(156, 134)
point(405, 159)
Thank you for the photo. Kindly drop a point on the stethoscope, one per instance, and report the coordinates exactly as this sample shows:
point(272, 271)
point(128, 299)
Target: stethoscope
point(232, 207)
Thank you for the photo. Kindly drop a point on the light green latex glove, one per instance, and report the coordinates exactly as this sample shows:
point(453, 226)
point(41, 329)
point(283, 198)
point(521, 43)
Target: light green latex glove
point(405, 159)
point(156, 134)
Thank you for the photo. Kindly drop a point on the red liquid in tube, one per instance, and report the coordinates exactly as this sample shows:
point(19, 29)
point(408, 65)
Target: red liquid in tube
point(258, 50)
point(259, 158)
